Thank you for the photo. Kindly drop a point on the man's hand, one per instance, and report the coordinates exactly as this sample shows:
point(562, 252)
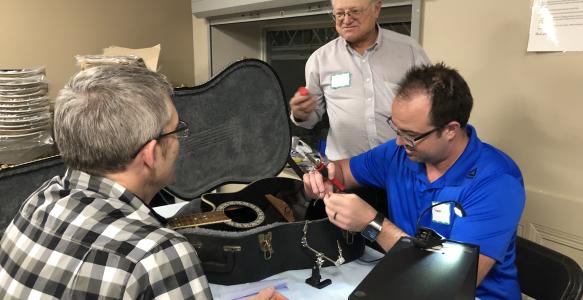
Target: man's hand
point(302, 104)
point(316, 186)
point(268, 294)
point(348, 211)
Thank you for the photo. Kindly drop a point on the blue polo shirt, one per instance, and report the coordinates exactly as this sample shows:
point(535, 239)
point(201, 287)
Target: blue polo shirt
point(485, 181)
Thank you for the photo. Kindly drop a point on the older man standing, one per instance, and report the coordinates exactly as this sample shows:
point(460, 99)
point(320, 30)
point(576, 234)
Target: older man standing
point(354, 78)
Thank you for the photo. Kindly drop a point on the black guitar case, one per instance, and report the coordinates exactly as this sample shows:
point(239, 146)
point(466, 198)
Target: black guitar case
point(18, 182)
point(240, 132)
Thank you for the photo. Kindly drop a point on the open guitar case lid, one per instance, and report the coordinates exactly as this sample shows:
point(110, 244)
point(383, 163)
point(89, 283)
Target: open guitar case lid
point(239, 129)
point(240, 133)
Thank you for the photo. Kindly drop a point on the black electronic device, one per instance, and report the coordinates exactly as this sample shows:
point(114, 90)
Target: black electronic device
point(447, 271)
point(425, 237)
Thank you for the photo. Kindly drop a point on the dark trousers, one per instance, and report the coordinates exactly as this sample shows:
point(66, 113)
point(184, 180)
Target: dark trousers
point(377, 198)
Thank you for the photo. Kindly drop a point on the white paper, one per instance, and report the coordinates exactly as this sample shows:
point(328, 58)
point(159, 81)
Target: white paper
point(168, 211)
point(556, 25)
point(344, 279)
point(241, 291)
point(149, 55)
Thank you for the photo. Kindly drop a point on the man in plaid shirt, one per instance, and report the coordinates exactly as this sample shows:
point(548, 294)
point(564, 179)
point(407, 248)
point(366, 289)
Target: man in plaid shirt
point(90, 234)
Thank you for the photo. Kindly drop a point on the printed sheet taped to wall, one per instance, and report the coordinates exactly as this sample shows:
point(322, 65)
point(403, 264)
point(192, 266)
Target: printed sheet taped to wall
point(556, 25)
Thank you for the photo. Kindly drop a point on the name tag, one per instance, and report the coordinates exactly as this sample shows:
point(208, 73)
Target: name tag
point(441, 213)
point(340, 80)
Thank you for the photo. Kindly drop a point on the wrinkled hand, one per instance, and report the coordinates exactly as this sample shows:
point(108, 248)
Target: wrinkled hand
point(316, 186)
point(268, 294)
point(302, 106)
point(348, 211)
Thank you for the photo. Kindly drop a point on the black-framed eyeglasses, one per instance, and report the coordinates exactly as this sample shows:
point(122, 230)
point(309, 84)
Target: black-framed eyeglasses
point(410, 141)
point(182, 131)
point(339, 15)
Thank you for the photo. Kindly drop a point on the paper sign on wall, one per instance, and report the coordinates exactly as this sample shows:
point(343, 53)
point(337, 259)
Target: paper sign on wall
point(556, 25)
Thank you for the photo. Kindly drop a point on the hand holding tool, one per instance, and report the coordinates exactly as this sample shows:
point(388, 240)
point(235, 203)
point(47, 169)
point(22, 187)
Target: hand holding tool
point(321, 167)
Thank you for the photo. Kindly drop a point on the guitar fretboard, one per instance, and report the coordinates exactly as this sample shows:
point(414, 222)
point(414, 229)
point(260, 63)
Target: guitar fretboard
point(199, 219)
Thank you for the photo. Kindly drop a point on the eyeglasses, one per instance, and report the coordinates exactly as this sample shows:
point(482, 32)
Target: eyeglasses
point(339, 15)
point(182, 131)
point(410, 141)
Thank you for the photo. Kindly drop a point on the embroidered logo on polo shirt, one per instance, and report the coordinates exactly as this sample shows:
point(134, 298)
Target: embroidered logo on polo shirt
point(472, 173)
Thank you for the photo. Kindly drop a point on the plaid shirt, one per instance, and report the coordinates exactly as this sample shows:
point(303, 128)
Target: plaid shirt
point(87, 237)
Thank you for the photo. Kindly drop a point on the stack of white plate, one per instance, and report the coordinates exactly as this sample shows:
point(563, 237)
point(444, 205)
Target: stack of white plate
point(25, 117)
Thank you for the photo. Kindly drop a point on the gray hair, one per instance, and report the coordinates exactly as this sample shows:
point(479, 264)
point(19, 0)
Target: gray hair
point(106, 113)
point(370, 1)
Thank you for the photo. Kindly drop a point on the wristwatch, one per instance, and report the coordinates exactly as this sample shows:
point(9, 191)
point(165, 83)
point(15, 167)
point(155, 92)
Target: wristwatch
point(372, 230)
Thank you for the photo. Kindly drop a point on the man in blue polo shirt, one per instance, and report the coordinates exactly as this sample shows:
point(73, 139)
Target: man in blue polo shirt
point(437, 156)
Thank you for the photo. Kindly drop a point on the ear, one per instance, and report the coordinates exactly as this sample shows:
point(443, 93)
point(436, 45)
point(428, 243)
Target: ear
point(148, 153)
point(452, 129)
point(377, 6)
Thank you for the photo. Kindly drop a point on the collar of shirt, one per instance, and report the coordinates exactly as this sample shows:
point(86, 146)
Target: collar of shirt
point(75, 179)
point(460, 170)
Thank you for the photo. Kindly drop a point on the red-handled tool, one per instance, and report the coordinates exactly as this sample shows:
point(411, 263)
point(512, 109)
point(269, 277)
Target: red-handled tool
point(321, 167)
point(303, 91)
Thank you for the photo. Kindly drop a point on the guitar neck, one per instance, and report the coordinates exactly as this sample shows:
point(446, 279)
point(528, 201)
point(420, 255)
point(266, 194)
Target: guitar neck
point(199, 219)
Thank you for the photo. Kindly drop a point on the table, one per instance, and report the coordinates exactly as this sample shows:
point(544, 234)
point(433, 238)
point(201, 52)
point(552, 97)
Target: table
point(344, 279)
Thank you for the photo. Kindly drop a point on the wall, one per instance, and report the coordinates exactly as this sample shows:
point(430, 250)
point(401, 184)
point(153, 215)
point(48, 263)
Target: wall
point(528, 104)
point(51, 33)
point(232, 42)
point(200, 38)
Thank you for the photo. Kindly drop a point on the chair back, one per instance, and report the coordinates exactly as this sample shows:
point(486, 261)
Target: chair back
point(547, 274)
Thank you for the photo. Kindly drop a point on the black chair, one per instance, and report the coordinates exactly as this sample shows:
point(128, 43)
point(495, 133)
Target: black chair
point(547, 274)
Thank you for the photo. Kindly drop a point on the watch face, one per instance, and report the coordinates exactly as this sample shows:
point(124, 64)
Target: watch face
point(370, 233)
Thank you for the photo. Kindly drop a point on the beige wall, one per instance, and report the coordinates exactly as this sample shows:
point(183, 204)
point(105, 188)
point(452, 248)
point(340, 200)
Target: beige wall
point(200, 38)
point(233, 42)
point(51, 33)
point(528, 104)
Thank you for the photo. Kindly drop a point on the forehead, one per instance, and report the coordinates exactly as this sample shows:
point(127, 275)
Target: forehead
point(336, 4)
point(173, 113)
point(412, 112)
